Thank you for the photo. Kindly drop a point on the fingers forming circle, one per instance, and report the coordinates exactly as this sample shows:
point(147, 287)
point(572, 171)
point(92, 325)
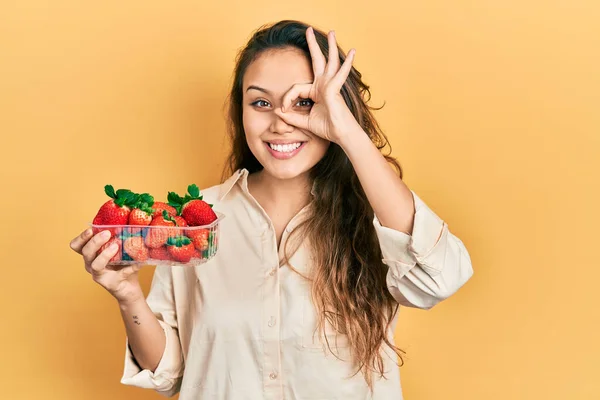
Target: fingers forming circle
point(298, 90)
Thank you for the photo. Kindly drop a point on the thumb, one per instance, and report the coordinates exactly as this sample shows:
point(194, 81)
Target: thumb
point(291, 118)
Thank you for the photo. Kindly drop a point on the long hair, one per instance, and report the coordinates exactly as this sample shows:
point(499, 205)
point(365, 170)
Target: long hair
point(348, 276)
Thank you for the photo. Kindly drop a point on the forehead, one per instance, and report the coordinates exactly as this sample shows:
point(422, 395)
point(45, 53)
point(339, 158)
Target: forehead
point(277, 70)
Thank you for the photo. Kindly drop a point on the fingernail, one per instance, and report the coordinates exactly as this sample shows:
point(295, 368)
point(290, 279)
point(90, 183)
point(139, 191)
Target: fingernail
point(105, 234)
point(87, 232)
point(113, 247)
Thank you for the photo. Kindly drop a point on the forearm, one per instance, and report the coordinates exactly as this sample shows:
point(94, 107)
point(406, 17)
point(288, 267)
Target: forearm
point(145, 335)
point(389, 196)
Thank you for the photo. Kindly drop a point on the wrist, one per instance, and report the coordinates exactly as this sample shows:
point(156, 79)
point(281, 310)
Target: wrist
point(353, 138)
point(130, 302)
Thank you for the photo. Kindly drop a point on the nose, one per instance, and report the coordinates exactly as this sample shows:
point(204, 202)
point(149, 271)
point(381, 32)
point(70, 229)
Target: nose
point(279, 126)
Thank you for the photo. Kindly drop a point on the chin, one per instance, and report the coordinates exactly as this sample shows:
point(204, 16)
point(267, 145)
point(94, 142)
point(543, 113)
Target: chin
point(285, 170)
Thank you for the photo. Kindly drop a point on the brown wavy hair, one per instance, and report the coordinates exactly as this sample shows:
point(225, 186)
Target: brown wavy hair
point(348, 276)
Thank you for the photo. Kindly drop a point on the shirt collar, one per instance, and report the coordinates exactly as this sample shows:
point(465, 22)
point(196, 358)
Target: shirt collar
point(232, 180)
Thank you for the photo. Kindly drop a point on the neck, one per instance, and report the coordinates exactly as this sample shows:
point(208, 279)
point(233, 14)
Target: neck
point(293, 192)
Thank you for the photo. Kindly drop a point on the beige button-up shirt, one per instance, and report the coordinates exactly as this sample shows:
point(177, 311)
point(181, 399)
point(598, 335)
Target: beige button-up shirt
point(241, 325)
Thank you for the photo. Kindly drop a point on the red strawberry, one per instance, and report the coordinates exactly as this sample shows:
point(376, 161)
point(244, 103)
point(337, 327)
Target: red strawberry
point(192, 208)
point(199, 237)
point(142, 211)
point(198, 213)
point(160, 253)
point(115, 211)
point(157, 237)
point(135, 248)
point(196, 254)
point(181, 248)
point(180, 221)
point(139, 217)
point(117, 256)
point(159, 206)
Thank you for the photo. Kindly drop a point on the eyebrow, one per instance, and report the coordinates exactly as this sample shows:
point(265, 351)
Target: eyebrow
point(258, 88)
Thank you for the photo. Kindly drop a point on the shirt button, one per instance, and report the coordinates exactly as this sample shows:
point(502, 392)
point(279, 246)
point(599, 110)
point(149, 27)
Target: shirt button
point(271, 322)
point(273, 375)
point(272, 271)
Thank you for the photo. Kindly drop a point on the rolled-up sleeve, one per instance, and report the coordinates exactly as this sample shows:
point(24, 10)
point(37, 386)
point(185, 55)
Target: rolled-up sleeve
point(166, 379)
point(426, 267)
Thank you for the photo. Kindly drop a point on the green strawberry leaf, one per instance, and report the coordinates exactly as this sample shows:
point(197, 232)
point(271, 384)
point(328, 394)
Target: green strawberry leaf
point(134, 199)
point(110, 191)
point(167, 217)
point(174, 199)
point(193, 191)
point(123, 192)
point(147, 198)
point(145, 207)
point(178, 241)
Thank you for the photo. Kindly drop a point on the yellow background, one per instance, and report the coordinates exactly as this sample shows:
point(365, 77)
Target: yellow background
point(491, 107)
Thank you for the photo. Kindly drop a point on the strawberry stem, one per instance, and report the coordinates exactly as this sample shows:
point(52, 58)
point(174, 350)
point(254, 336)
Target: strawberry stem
point(178, 202)
point(125, 197)
point(178, 241)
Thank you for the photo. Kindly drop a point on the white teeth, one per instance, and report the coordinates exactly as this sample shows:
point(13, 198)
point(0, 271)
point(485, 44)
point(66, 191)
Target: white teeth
point(285, 148)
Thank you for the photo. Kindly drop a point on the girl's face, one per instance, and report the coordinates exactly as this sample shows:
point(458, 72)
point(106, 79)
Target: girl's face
point(283, 150)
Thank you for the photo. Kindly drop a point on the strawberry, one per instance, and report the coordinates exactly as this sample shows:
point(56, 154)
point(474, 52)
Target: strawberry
point(198, 213)
point(157, 237)
point(159, 206)
point(180, 221)
point(115, 211)
point(199, 237)
point(135, 248)
point(160, 253)
point(181, 248)
point(192, 208)
point(143, 211)
point(139, 217)
point(197, 254)
point(117, 256)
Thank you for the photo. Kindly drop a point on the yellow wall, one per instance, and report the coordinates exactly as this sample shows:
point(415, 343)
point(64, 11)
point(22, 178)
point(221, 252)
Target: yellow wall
point(492, 108)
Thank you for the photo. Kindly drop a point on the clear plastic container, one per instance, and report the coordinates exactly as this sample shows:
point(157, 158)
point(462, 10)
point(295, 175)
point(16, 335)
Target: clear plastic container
point(162, 245)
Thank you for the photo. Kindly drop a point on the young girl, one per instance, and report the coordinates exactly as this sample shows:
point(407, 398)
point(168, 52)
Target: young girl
point(321, 243)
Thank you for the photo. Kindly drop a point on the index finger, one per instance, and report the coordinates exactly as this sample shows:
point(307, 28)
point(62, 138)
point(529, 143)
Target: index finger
point(78, 242)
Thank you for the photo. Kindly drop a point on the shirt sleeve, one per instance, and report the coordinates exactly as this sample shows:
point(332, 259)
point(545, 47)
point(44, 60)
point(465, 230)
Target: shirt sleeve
point(167, 377)
point(426, 267)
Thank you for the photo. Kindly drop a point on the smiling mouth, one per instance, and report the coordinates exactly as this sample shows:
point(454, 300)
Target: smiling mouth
point(284, 148)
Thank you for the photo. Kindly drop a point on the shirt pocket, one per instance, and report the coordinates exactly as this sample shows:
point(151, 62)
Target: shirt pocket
point(312, 339)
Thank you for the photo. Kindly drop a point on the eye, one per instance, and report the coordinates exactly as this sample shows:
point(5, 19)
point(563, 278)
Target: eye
point(305, 103)
point(260, 103)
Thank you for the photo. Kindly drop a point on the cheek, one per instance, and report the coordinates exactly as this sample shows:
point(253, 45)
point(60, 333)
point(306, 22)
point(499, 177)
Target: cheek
point(255, 124)
point(322, 148)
